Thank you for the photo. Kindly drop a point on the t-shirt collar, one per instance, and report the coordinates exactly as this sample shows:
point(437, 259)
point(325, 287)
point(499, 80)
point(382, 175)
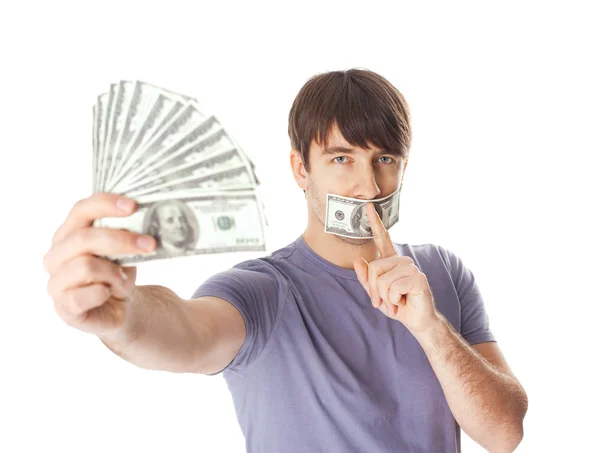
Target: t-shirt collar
point(301, 244)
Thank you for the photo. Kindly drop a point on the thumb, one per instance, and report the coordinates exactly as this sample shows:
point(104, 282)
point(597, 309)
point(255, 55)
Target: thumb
point(361, 267)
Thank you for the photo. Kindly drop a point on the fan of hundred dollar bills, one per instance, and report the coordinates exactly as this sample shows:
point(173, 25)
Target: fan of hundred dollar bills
point(194, 186)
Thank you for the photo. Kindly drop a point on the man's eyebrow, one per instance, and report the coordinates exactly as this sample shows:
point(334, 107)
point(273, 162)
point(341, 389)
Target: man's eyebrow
point(343, 149)
point(338, 149)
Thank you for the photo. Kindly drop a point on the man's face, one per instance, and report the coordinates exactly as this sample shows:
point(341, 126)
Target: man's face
point(173, 225)
point(342, 169)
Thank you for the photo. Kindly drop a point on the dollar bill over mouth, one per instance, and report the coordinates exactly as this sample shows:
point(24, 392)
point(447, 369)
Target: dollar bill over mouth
point(347, 216)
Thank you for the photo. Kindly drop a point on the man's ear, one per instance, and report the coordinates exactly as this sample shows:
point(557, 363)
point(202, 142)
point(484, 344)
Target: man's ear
point(298, 169)
point(404, 170)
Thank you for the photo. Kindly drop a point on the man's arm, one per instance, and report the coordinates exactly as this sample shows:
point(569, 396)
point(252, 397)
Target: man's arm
point(489, 405)
point(164, 332)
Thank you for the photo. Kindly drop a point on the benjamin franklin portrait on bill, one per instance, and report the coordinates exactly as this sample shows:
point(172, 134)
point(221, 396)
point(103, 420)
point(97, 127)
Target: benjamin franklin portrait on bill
point(360, 221)
point(173, 225)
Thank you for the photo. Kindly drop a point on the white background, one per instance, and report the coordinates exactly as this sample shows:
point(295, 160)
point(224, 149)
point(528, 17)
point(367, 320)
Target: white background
point(503, 171)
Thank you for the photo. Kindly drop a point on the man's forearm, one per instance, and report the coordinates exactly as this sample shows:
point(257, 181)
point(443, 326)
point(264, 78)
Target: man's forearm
point(158, 333)
point(487, 404)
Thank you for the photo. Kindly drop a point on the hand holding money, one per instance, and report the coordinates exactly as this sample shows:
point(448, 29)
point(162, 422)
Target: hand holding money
point(194, 185)
point(91, 293)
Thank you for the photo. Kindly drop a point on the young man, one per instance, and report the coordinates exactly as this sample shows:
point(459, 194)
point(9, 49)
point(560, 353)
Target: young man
point(331, 343)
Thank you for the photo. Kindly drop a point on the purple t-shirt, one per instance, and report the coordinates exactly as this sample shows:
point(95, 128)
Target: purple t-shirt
point(321, 370)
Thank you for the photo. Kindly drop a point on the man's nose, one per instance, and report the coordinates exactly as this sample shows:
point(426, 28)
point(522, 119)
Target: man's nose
point(366, 187)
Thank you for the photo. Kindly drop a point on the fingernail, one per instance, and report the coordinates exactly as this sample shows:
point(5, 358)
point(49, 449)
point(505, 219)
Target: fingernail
point(123, 274)
point(125, 204)
point(145, 243)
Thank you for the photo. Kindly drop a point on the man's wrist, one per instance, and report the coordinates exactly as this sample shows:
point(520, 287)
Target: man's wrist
point(437, 323)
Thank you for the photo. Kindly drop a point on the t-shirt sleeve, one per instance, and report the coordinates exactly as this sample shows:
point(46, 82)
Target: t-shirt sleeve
point(474, 321)
point(253, 289)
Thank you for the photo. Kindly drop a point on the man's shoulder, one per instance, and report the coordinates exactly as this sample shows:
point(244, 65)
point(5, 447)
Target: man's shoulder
point(425, 252)
point(268, 263)
point(256, 275)
point(418, 249)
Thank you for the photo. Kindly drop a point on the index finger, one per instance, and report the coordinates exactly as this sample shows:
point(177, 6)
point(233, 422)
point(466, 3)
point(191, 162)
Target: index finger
point(99, 205)
point(381, 236)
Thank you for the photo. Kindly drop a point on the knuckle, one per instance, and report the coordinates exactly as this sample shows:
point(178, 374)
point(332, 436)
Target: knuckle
point(381, 288)
point(80, 239)
point(373, 266)
point(59, 308)
point(68, 302)
point(73, 300)
point(67, 317)
point(51, 288)
point(57, 233)
point(79, 206)
point(88, 268)
point(46, 261)
point(89, 263)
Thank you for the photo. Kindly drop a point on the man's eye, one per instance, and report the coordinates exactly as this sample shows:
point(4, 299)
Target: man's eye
point(340, 159)
point(388, 160)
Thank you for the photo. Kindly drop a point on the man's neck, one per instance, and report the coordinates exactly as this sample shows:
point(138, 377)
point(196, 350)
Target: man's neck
point(334, 249)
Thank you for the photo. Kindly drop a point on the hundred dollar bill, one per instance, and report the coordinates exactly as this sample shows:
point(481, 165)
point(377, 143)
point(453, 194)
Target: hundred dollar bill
point(212, 223)
point(121, 102)
point(206, 146)
point(140, 98)
point(163, 110)
point(101, 104)
point(186, 98)
point(348, 216)
point(94, 145)
point(127, 124)
point(186, 127)
point(216, 163)
point(107, 120)
point(237, 178)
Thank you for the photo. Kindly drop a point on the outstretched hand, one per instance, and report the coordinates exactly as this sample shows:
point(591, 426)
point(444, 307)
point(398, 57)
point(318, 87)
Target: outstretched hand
point(395, 284)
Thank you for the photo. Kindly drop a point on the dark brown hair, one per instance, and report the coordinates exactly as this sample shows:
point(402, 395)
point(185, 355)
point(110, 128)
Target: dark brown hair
point(367, 108)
